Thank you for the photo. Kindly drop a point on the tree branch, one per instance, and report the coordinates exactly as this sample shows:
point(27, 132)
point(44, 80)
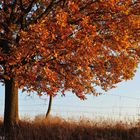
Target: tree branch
point(12, 9)
point(46, 11)
point(88, 4)
point(21, 5)
point(28, 9)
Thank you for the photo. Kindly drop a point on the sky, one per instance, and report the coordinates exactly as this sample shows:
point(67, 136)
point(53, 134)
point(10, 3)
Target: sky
point(120, 102)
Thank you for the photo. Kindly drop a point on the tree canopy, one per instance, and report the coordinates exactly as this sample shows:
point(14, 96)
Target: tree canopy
point(59, 45)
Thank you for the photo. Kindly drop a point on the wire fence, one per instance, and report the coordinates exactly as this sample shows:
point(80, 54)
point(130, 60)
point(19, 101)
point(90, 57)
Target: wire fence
point(122, 110)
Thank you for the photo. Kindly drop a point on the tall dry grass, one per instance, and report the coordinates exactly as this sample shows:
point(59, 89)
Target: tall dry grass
point(59, 129)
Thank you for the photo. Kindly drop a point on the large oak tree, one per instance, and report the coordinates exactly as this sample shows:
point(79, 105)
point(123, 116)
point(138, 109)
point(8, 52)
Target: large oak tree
point(51, 46)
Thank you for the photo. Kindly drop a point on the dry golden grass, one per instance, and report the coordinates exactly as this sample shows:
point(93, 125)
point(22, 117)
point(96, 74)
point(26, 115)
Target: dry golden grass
point(56, 128)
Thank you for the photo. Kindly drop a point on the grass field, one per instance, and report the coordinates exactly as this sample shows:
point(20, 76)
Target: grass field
point(56, 128)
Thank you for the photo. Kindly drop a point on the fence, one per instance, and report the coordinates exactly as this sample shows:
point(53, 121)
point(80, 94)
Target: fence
point(116, 107)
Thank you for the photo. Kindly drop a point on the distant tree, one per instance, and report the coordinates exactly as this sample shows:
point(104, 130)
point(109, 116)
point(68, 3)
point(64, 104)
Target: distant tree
point(49, 107)
point(52, 46)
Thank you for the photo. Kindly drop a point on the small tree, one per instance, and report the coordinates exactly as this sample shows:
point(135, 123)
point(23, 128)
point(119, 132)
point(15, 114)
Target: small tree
point(49, 107)
point(52, 46)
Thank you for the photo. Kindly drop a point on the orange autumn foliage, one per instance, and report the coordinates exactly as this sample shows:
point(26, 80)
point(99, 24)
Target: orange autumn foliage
point(76, 45)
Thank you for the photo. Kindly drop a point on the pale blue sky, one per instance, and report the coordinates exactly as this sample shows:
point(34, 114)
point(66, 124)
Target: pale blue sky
point(124, 100)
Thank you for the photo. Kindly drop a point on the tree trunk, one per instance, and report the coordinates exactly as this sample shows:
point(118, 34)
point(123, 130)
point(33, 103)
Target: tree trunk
point(11, 104)
point(49, 107)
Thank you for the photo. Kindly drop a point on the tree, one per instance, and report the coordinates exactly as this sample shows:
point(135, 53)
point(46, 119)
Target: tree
point(49, 107)
point(51, 46)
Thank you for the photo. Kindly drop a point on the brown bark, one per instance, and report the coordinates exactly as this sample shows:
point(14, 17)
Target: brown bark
point(11, 104)
point(49, 107)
